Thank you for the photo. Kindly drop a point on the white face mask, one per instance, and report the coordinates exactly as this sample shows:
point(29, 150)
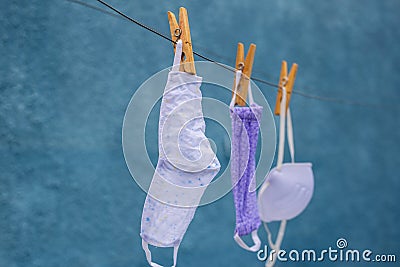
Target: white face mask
point(288, 188)
point(185, 167)
point(288, 192)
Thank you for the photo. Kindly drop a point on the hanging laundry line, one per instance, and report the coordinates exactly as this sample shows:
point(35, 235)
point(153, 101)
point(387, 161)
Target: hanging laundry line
point(122, 15)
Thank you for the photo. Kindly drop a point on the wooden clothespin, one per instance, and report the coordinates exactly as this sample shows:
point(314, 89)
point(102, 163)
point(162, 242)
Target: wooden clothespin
point(182, 31)
point(287, 82)
point(246, 65)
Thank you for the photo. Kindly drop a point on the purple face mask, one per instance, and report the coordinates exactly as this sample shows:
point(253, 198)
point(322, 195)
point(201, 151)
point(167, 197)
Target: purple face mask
point(245, 128)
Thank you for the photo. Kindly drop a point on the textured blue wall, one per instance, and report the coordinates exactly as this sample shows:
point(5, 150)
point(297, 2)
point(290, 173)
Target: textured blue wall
point(66, 76)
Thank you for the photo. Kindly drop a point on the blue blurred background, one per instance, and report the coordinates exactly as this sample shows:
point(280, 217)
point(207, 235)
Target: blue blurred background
point(67, 74)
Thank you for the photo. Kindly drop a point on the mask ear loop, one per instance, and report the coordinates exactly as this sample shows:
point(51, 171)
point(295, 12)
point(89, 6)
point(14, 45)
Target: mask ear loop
point(237, 82)
point(277, 245)
point(282, 129)
point(176, 248)
point(251, 99)
point(178, 56)
point(281, 233)
point(254, 235)
point(290, 134)
point(146, 249)
point(242, 244)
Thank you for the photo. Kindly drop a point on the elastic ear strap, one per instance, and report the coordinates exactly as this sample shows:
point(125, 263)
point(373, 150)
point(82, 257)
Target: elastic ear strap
point(282, 129)
point(279, 238)
point(290, 134)
point(176, 248)
point(251, 99)
point(178, 56)
point(281, 234)
point(242, 244)
point(146, 249)
point(238, 76)
point(278, 242)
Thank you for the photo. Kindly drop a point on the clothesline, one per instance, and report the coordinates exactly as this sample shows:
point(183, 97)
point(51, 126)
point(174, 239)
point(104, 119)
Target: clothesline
point(122, 15)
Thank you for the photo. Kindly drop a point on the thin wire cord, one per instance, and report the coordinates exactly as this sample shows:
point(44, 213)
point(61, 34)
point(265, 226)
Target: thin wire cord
point(133, 20)
point(339, 100)
point(95, 8)
point(121, 15)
